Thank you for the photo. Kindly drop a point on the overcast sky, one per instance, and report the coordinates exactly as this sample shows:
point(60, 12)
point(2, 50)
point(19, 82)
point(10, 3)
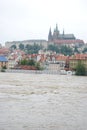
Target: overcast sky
point(31, 19)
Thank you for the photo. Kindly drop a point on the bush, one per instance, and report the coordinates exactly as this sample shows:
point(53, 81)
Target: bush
point(80, 69)
point(4, 67)
point(2, 70)
point(37, 65)
point(31, 63)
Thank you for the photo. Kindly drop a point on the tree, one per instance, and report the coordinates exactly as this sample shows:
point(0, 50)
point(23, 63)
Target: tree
point(21, 46)
point(80, 69)
point(53, 48)
point(76, 50)
point(37, 65)
point(23, 62)
point(66, 50)
point(30, 49)
point(61, 49)
point(13, 47)
point(85, 50)
point(31, 62)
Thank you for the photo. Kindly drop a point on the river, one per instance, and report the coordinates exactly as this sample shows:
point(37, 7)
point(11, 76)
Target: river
point(43, 102)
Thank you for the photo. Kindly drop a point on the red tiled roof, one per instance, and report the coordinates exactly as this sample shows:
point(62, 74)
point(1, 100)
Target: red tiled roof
point(26, 67)
point(78, 56)
point(61, 58)
point(68, 41)
point(4, 51)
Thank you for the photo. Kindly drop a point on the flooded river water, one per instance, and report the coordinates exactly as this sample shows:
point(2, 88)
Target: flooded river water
point(42, 102)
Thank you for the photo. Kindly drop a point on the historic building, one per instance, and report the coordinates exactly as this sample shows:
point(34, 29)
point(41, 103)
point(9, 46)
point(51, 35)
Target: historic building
point(63, 38)
point(75, 59)
point(53, 38)
point(27, 42)
point(57, 36)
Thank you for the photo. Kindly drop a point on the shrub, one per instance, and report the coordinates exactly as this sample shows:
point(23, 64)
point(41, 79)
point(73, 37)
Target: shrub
point(80, 69)
point(2, 70)
point(4, 67)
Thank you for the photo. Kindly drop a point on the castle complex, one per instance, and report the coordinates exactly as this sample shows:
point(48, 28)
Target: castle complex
point(57, 36)
point(63, 38)
point(53, 38)
point(27, 42)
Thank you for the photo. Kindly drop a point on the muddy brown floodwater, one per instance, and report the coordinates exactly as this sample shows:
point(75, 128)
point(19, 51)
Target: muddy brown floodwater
point(42, 102)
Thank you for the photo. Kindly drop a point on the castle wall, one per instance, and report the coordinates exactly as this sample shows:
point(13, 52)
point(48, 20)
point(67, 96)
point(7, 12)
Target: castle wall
point(44, 43)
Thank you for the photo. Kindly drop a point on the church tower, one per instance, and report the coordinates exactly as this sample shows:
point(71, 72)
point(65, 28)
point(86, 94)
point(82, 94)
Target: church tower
point(56, 33)
point(50, 37)
point(63, 32)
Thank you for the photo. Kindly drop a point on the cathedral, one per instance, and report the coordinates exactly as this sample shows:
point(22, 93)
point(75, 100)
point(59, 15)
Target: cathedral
point(63, 39)
point(57, 36)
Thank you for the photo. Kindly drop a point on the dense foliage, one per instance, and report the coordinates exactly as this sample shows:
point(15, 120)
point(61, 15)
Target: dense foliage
point(21, 46)
point(61, 49)
point(13, 47)
point(31, 62)
point(27, 62)
point(80, 69)
point(85, 50)
point(30, 49)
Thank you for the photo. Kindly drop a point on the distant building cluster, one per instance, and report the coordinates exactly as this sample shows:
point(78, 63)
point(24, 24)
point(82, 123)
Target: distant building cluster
point(50, 60)
point(27, 42)
point(53, 38)
point(57, 36)
point(63, 39)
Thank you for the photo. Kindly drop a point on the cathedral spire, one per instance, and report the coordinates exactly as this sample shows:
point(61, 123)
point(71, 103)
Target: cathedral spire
point(56, 27)
point(50, 35)
point(56, 33)
point(63, 32)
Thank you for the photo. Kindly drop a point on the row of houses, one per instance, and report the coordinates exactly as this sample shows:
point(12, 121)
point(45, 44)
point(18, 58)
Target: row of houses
point(48, 61)
point(73, 60)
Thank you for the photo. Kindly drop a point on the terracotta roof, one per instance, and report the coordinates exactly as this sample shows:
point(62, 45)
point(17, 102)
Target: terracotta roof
point(26, 67)
point(68, 41)
point(4, 51)
point(78, 56)
point(61, 58)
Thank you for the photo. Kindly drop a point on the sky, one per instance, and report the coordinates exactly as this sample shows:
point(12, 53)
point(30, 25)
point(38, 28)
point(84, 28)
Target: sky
point(31, 19)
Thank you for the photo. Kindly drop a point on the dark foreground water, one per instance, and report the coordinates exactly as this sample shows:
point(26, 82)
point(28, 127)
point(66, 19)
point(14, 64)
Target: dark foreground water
point(42, 102)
